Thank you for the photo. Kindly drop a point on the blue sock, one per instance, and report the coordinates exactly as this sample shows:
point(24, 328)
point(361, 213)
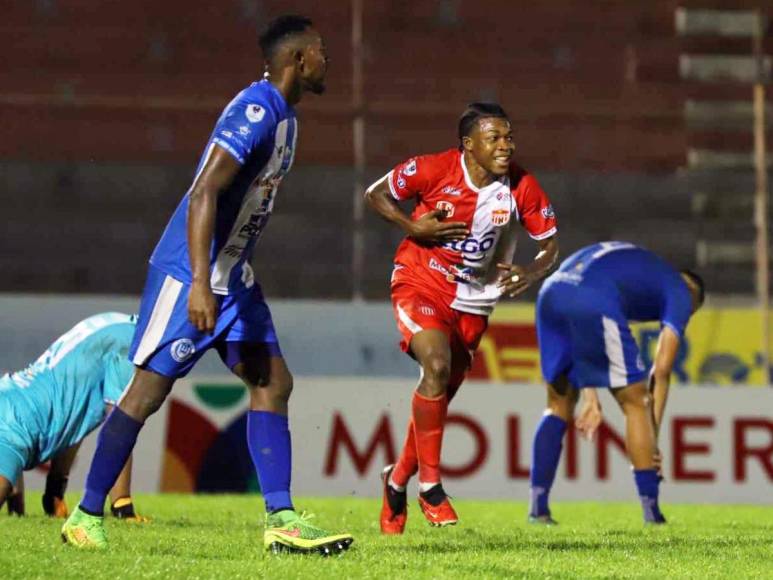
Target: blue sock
point(268, 438)
point(114, 446)
point(648, 483)
point(545, 454)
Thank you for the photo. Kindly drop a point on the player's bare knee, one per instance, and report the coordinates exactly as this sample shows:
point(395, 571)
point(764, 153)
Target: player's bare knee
point(437, 373)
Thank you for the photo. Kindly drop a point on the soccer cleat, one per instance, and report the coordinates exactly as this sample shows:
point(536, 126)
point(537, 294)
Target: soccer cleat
point(543, 520)
point(394, 513)
point(83, 530)
point(288, 531)
point(123, 509)
point(439, 515)
point(55, 506)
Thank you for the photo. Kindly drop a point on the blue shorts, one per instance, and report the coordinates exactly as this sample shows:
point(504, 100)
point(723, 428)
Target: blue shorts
point(584, 335)
point(167, 343)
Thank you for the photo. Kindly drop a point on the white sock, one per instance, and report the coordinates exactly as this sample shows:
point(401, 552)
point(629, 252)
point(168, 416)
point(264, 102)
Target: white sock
point(424, 486)
point(393, 485)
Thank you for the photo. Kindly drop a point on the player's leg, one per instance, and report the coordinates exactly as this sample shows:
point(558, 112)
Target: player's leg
point(626, 375)
point(547, 446)
point(251, 350)
point(56, 482)
point(165, 346)
point(555, 344)
point(636, 403)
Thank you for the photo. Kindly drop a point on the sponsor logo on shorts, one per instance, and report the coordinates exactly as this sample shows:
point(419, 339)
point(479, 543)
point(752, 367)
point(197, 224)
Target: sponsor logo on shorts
point(500, 217)
point(447, 207)
point(255, 113)
point(244, 130)
point(548, 213)
point(182, 349)
point(427, 310)
point(227, 134)
point(401, 183)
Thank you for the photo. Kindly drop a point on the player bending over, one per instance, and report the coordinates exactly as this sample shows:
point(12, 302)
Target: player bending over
point(583, 311)
point(201, 292)
point(449, 273)
point(48, 408)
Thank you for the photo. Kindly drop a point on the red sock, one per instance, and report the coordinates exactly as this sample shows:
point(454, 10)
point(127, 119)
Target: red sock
point(429, 418)
point(408, 463)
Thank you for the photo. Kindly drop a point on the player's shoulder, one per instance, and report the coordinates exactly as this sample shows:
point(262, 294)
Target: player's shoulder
point(520, 177)
point(257, 103)
point(431, 165)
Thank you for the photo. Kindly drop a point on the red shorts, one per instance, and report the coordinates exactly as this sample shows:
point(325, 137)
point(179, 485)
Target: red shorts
point(416, 310)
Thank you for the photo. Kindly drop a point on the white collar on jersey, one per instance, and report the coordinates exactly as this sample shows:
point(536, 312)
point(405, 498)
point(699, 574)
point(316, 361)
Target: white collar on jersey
point(503, 181)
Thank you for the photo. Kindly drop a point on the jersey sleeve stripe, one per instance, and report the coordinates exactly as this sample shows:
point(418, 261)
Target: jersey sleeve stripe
point(227, 146)
point(392, 187)
point(551, 232)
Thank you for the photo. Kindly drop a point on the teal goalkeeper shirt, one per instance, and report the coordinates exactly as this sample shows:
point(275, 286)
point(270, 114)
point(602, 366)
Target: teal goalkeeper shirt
point(60, 398)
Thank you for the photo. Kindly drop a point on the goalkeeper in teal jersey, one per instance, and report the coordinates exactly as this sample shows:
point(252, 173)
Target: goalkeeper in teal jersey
point(47, 409)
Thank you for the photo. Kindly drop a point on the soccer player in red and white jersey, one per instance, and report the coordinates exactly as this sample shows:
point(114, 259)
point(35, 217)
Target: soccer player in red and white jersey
point(449, 272)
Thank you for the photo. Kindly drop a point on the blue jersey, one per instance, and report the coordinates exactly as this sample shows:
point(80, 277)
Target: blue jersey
point(641, 284)
point(60, 398)
point(258, 128)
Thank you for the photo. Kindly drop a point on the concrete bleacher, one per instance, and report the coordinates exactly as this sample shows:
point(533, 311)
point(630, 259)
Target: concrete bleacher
point(106, 107)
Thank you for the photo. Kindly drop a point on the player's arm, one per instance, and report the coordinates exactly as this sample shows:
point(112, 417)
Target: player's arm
point(15, 499)
point(516, 278)
point(429, 228)
point(56, 482)
point(218, 173)
point(660, 376)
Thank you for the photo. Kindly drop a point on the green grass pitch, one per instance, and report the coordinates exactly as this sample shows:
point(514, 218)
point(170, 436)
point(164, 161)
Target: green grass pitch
point(220, 537)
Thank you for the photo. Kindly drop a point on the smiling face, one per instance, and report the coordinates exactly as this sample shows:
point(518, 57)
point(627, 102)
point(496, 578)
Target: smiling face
point(491, 144)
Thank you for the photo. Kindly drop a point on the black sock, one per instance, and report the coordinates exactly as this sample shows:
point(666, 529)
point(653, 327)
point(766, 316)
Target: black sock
point(434, 495)
point(397, 500)
point(56, 486)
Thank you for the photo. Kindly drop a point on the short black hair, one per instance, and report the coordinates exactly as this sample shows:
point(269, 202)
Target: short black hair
point(476, 111)
point(699, 283)
point(279, 30)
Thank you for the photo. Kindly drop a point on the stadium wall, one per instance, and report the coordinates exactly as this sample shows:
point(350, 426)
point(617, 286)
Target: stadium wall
point(717, 443)
point(352, 397)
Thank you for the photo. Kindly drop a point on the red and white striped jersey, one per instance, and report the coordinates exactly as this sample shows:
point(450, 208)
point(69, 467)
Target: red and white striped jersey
point(465, 272)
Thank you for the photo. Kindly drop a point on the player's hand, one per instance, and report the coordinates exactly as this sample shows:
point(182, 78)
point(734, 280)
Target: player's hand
point(589, 419)
point(202, 307)
point(514, 280)
point(431, 228)
point(15, 503)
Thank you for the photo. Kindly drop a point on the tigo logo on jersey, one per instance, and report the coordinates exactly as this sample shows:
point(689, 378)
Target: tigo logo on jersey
point(183, 349)
point(410, 169)
point(500, 217)
point(446, 207)
point(255, 113)
point(547, 212)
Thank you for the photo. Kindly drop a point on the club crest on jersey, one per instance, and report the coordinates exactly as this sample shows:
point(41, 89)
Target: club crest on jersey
point(410, 169)
point(182, 349)
point(255, 113)
point(500, 217)
point(447, 207)
point(548, 213)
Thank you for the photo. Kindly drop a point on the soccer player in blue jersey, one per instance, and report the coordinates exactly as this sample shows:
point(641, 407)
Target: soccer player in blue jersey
point(201, 293)
point(585, 343)
point(48, 408)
